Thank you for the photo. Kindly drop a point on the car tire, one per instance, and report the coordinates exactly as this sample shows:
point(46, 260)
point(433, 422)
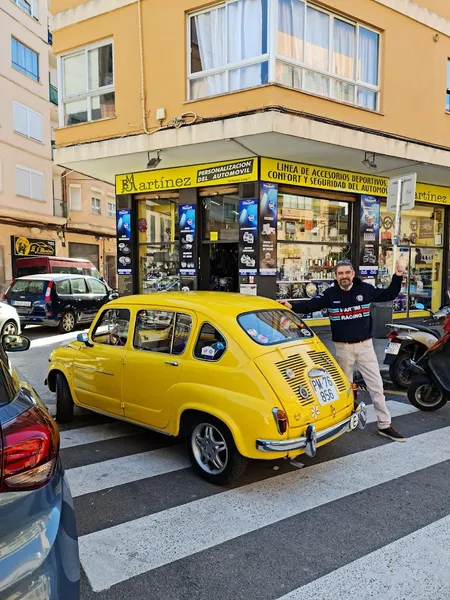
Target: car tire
point(67, 322)
point(415, 391)
point(64, 401)
point(10, 328)
point(396, 371)
point(205, 432)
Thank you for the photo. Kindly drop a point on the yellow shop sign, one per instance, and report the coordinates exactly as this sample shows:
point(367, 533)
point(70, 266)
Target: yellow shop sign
point(281, 171)
point(223, 173)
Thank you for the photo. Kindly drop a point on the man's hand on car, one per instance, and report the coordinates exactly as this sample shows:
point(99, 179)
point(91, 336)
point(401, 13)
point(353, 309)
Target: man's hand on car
point(285, 303)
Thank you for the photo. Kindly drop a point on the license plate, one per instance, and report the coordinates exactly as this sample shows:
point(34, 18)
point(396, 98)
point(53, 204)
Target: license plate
point(324, 389)
point(21, 303)
point(392, 348)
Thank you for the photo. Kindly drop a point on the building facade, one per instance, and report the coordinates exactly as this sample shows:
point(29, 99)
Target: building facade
point(36, 216)
point(251, 142)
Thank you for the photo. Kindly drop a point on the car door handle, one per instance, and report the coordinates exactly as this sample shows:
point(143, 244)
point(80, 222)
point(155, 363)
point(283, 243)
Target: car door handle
point(171, 363)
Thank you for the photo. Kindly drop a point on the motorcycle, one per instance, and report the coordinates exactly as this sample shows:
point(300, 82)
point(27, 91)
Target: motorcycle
point(430, 384)
point(409, 341)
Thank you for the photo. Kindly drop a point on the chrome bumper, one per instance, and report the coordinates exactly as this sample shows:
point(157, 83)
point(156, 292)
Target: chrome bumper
point(357, 419)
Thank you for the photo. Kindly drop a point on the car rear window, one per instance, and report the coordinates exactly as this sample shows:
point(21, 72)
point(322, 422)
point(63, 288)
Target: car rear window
point(34, 287)
point(268, 327)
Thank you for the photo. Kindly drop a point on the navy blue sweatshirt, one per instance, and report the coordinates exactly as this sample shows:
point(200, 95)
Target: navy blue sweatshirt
point(349, 311)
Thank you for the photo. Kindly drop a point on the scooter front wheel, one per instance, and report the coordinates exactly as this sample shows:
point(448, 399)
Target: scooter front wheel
point(425, 395)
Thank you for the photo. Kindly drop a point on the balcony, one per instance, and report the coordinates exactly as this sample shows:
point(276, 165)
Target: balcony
point(53, 94)
point(59, 208)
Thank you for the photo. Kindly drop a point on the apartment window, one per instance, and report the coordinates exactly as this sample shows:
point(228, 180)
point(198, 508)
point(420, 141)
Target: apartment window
point(24, 59)
point(96, 205)
point(75, 202)
point(87, 85)
point(228, 48)
point(111, 206)
point(310, 49)
point(327, 55)
point(29, 183)
point(447, 104)
point(29, 6)
point(27, 122)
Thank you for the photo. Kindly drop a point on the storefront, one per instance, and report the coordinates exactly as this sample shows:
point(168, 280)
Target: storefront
point(274, 228)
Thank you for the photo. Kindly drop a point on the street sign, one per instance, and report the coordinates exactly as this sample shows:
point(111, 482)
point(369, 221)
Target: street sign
point(407, 185)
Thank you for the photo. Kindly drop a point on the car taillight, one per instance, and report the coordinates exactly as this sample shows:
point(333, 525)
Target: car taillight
point(355, 390)
point(48, 293)
point(30, 451)
point(281, 420)
point(7, 289)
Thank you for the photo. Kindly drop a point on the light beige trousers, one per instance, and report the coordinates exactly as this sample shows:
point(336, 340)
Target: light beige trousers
point(363, 354)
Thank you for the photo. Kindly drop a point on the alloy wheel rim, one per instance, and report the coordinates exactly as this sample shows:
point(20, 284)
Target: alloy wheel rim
point(209, 448)
point(403, 372)
point(10, 329)
point(425, 402)
point(68, 322)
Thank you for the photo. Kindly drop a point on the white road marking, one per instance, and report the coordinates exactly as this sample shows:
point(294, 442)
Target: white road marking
point(411, 568)
point(130, 549)
point(397, 409)
point(97, 433)
point(118, 471)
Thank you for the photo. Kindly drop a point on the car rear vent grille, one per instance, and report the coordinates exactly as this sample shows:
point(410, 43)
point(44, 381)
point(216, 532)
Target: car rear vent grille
point(297, 365)
point(323, 360)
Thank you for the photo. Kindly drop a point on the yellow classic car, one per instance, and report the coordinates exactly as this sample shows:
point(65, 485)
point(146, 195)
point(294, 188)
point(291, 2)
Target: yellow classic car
point(239, 377)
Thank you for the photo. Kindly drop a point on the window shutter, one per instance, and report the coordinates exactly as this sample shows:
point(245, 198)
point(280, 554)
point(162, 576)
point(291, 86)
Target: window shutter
point(23, 183)
point(75, 198)
point(37, 186)
point(20, 119)
point(35, 125)
point(448, 75)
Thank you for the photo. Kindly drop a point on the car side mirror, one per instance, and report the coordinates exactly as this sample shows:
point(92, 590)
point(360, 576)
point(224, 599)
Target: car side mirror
point(15, 343)
point(113, 295)
point(84, 339)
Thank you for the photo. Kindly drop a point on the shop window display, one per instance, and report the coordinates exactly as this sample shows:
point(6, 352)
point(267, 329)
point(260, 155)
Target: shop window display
point(421, 237)
point(313, 234)
point(158, 245)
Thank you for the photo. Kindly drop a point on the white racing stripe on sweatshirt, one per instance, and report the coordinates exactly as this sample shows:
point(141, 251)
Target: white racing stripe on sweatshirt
point(118, 471)
point(97, 433)
point(130, 549)
point(413, 568)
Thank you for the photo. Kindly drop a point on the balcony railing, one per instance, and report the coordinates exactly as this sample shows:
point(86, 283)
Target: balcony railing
point(53, 94)
point(59, 208)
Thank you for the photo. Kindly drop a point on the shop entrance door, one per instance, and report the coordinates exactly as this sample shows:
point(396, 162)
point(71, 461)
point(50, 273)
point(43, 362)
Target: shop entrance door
point(219, 270)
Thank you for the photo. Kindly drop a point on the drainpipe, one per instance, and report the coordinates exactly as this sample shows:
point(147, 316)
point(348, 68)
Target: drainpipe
point(141, 52)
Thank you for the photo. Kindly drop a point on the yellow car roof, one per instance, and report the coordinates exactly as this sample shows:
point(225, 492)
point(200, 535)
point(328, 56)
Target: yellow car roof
point(212, 303)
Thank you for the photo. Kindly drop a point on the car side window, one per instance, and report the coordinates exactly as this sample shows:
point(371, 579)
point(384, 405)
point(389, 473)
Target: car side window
point(112, 327)
point(211, 345)
point(63, 287)
point(78, 286)
point(162, 331)
point(97, 287)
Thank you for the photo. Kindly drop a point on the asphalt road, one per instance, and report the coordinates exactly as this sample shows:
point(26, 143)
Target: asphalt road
point(367, 518)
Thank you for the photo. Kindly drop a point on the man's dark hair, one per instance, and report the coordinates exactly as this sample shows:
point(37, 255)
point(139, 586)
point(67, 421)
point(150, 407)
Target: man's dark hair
point(344, 262)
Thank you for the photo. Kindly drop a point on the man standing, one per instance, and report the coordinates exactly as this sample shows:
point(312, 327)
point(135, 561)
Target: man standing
point(348, 303)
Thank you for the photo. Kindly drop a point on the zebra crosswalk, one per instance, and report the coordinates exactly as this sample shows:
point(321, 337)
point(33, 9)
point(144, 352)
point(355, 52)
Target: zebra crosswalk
point(366, 518)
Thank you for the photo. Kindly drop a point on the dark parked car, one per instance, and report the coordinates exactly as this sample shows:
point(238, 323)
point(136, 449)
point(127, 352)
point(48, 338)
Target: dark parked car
point(38, 538)
point(58, 300)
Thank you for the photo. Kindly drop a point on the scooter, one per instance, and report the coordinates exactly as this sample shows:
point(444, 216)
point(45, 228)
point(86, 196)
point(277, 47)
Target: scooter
point(410, 341)
point(430, 384)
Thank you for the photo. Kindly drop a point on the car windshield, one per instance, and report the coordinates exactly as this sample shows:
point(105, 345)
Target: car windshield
point(35, 287)
point(267, 327)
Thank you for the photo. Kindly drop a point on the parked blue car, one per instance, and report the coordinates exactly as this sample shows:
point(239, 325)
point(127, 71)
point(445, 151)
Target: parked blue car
point(38, 537)
point(57, 300)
